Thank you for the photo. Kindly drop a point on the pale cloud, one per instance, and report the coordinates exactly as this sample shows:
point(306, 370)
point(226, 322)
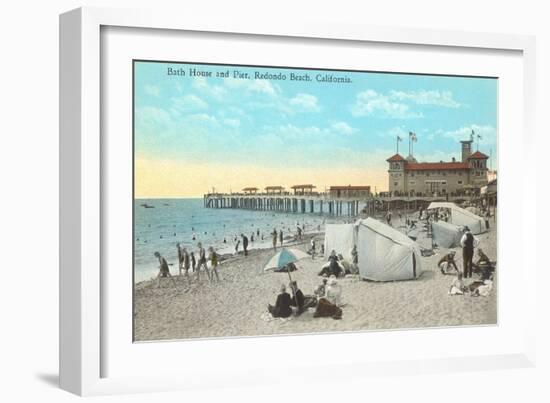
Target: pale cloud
point(234, 123)
point(152, 118)
point(424, 97)
point(487, 132)
point(189, 102)
point(152, 90)
point(305, 103)
point(216, 91)
point(258, 86)
point(370, 102)
point(343, 128)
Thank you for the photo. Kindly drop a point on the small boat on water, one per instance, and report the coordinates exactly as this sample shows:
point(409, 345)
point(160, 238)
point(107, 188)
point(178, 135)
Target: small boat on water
point(147, 205)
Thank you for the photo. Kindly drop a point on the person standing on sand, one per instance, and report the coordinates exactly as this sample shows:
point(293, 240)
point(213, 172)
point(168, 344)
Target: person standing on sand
point(354, 258)
point(237, 247)
point(245, 244)
point(164, 271)
point(468, 243)
point(280, 237)
point(312, 249)
point(193, 261)
point(186, 262)
point(213, 256)
point(202, 263)
point(274, 235)
point(388, 218)
point(180, 257)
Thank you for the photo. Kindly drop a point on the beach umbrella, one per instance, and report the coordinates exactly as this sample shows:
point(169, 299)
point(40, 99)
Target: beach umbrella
point(283, 257)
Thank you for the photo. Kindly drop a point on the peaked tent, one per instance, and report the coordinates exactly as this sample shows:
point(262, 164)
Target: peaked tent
point(385, 254)
point(446, 235)
point(462, 217)
point(340, 238)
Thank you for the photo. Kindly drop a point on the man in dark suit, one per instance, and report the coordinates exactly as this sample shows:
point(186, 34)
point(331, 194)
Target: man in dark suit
point(468, 243)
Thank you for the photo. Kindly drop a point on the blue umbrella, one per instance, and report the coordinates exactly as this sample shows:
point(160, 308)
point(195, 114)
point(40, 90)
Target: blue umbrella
point(284, 257)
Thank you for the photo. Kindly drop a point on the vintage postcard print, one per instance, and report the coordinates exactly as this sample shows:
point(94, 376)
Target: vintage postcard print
point(282, 200)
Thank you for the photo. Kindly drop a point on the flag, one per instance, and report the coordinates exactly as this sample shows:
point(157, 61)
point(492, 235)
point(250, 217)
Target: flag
point(472, 135)
point(399, 138)
point(413, 137)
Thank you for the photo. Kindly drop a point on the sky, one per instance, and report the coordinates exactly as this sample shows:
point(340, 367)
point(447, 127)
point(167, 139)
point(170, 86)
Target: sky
point(227, 127)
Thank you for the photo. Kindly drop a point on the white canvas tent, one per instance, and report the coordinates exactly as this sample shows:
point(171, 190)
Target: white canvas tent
point(340, 238)
point(446, 235)
point(385, 254)
point(462, 217)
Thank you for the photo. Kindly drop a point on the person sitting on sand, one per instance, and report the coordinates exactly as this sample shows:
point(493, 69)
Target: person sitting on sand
point(282, 305)
point(202, 263)
point(334, 291)
point(213, 256)
point(326, 309)
point(446, 262)
point(164, 271)
point(457, 286)
point(348, 268)
point(320, 291)
point(333, 267)
point(299, 300)
point(483, 266)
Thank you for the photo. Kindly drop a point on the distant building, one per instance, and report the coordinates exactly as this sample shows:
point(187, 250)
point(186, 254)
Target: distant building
point(454, 178)
point(349, 191)
point(250, 190)
point(274, 190)
point(303, 189)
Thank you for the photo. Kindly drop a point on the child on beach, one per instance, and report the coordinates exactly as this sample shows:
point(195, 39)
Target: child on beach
point(457, 286)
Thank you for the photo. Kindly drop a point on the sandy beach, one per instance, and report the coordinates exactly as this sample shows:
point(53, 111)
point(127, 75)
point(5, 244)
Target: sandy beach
point(236, 306)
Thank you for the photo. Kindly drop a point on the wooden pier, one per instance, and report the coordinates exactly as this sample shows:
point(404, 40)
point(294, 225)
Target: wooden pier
point(286, 203)
point(320, 203)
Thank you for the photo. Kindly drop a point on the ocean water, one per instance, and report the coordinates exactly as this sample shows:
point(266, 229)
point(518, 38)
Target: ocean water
point(180, 220)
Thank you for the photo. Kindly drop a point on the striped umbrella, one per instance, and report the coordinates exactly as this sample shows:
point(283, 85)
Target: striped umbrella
point(283, 257)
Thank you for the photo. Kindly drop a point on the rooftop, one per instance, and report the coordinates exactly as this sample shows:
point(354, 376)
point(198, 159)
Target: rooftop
point(396, 158)
point(430, 166)
point(350, 187)
point(479, 155)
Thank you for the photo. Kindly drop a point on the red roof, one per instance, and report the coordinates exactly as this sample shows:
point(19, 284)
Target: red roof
point(430, 166)
point(395, 158)
point(479, 155)
point(350, 187)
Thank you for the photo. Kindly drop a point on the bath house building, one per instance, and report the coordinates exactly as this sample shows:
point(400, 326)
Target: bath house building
point(454, 178)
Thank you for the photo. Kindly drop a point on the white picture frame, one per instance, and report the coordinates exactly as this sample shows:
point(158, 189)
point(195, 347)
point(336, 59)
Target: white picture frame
point(81, 174)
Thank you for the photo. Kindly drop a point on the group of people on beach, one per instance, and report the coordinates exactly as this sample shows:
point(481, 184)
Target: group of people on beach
point(189, 262)
point(483, 266)
point(326, 299)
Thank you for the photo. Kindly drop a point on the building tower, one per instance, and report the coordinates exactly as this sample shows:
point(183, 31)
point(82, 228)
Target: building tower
point(466, 149)
point(396, 173)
